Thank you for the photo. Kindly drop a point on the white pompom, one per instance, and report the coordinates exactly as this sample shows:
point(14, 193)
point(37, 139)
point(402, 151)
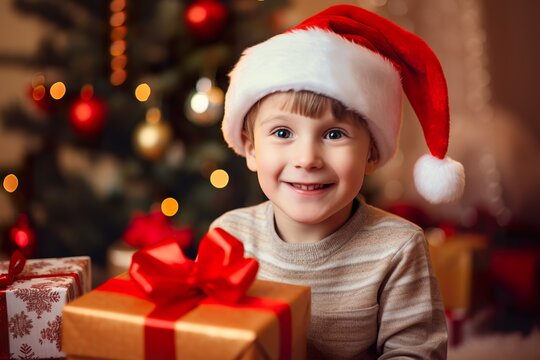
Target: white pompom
point(439, 180)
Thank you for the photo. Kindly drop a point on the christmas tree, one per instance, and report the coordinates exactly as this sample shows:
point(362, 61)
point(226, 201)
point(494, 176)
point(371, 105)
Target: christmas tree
point(127, 102)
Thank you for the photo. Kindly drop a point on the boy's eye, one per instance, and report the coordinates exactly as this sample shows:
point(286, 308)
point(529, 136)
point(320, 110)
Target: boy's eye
point(334, 134)
point(282, 133)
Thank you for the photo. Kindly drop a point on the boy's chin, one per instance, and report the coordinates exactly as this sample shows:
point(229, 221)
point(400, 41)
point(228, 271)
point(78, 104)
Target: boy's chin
point(313, 217)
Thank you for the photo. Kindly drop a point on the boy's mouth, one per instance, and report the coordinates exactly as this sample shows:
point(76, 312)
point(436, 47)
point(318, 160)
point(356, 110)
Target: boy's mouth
point(309, 187)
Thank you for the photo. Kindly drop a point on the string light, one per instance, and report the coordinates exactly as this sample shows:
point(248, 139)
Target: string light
point(118, 45)
point(169, 206)
point(11, 182)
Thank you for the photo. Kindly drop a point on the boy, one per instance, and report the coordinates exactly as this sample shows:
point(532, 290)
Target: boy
point(314, 110)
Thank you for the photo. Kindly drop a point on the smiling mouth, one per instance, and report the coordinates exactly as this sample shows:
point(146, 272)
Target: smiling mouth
point(309, 187)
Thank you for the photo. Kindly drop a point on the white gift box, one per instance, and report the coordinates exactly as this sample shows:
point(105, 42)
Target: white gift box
point(31, 307)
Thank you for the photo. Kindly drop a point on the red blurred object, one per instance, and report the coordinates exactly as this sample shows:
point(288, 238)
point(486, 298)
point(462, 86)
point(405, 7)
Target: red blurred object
point(22, 236)
point(412, 213)
point(517, 272)
point(205, 18)
point(449, 228)
point(149, 229)
point(87, 116)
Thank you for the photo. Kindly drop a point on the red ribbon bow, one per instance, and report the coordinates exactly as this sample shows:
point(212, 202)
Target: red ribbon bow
point(16, 266)
point(220, 271)
point(220, 274)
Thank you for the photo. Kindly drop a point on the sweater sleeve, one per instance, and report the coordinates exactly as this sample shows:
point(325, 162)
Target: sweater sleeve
point(411, 314)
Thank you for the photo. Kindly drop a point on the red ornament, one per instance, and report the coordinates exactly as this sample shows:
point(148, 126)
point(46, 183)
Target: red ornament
point(22, 236)
point(87, 116)
point(205, 18)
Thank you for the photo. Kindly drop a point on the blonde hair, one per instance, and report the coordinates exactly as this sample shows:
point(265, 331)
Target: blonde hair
point(310, 104)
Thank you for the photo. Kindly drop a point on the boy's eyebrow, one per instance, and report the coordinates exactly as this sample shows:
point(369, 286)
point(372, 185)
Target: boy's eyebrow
point(287, 117)
point(274, 118)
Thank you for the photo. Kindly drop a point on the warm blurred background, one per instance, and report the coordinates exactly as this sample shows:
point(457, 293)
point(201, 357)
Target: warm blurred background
point(109, 138)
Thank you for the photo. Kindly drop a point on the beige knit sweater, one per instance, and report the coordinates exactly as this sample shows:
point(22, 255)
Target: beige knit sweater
point(374, 294)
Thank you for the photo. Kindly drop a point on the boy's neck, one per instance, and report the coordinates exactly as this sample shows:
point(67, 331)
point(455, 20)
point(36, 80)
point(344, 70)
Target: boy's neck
point(291, 231)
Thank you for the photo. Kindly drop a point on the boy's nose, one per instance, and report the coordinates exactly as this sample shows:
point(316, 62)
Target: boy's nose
point(307, 155)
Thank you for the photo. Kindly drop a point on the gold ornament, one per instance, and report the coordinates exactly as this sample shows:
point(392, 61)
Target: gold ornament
point(152, 137)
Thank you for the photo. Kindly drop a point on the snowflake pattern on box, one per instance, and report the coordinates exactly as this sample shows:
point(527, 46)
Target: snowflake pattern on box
point(19, 325)
point(34, 305)
point(25, 353)
point(52, 332)
point(33, 267)
point(60, 282)
point(38, 300)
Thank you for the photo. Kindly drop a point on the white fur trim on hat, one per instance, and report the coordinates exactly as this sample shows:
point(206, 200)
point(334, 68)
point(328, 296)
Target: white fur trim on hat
point(439, 180)
point(322, 62)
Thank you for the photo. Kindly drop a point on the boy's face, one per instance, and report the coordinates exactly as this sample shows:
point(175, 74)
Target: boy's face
point(310, 169)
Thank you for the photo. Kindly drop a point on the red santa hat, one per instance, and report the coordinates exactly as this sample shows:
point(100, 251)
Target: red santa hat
point(366, 62)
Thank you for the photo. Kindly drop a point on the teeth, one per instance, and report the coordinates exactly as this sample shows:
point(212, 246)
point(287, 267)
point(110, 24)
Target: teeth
point(308, 187)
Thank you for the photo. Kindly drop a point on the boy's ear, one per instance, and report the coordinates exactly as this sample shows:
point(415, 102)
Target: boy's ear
point(372, 160)
point(249, 150)
point(371, 165)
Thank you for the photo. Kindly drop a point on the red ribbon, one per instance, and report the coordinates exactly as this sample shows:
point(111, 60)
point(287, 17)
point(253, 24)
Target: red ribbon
point(16, 266)
point(175, 284)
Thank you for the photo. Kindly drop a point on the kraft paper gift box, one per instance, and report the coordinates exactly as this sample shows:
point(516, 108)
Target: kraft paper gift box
point(118, 320)
point(32, 295)
point(455, 261)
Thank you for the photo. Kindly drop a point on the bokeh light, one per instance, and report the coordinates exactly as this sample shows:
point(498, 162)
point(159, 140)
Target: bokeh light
point(142, 92)
point(118, 77)
point(119, 62)
point(118, 33)
point(153, 115)
point(199, 102)
point(169, 206)
point(38, 92)
point(21, 238)
point(203, 84)
point(57, 90)
point(118, 48)
point(83, 111)
point(11, 182)
point(118, 19)
point(118, 5)
point(197, 14)
point(219, 178)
